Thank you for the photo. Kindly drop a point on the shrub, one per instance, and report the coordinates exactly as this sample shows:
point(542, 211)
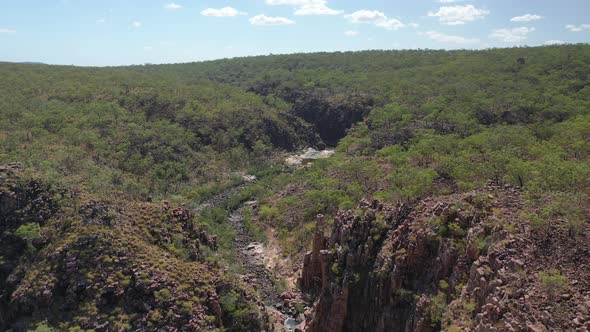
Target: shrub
point(454, 328)
point(299, 308)
point(239, 316)
point(187, 307)
point(268, 213)
point(216, 215)
point(335, 268)
point(405, 294)
point(470, 307)
point(28, 231)
point(228, 301)
point(254, 230)
point(553, 282)
point(539, 224)
point(438, 307)
point(455, 230)
point(163, 295)
point(378, 229)
point(483, 244)
point(44, 328)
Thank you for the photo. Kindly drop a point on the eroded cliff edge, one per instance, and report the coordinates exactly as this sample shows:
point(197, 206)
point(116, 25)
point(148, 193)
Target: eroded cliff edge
point(477, 261)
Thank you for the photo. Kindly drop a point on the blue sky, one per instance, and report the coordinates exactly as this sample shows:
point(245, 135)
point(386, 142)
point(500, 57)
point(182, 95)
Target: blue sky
point(121, 32)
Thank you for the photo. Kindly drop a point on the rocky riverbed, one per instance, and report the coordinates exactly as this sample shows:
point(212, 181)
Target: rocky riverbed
point(258, 262)
point(307, 156)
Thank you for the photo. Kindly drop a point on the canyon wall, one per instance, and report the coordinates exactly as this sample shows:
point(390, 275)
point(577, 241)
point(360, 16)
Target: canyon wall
point(460, 262)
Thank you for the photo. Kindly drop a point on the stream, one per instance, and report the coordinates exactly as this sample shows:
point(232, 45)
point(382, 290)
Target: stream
point(252, 255)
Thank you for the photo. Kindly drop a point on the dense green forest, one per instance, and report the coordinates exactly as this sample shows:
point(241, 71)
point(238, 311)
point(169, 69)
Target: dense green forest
point(405, 125)
point(114, 129)
point(167, 128)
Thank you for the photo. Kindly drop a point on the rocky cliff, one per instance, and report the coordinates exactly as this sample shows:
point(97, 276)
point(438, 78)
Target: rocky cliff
point(72, 261)
point(464, 262)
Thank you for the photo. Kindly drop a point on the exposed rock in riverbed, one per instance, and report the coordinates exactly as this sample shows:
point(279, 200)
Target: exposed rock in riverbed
point(307, 156)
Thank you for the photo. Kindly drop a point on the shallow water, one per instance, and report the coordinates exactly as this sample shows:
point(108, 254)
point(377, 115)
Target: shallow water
point(291, 324)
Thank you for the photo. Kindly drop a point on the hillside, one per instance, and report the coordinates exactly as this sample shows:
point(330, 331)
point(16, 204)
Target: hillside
point(85, 263)
point(157, 197)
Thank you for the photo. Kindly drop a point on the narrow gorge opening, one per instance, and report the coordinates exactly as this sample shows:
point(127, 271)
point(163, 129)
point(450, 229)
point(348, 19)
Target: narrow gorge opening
point(332, 116)
point(330, 113)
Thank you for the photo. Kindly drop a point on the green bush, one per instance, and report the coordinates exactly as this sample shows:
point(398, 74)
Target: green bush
point(28, 231)
point(553, 282)
point(228, 301)
point(239, 315)
point(44, 328)
point(335, 268)
point(438, 308)
point(268, 213)
point(253, 229)
point(215, 215)
point(539, 224)
point(455, 230)
point(163, 295)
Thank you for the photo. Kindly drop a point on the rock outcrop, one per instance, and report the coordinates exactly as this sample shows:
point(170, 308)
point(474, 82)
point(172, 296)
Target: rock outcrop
point(314, 278)
point(464, 262)
point(91, 263)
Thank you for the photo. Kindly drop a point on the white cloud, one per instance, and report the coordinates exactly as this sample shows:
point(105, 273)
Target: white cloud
point(352, 33)
point(554, 42)
point(377, 18)
point(148, 48)
point(512, 35)
point(391, 24)
point(307, 7)
point(293, 2)
point(100, 20)
point(459, 15)
point(136, 24)
point(366, 16)
point(7, 31)
point(449, 1)
point(317, 9)
point(267, 20)
point(443, 38)
point(222, 12)
point(577, 28)
point(526, 18)
point(173, 5)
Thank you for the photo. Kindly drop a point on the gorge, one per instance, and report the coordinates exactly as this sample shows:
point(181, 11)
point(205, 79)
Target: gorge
point(414, 190)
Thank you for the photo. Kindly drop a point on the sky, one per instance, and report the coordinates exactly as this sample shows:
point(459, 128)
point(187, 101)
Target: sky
point(123, 32)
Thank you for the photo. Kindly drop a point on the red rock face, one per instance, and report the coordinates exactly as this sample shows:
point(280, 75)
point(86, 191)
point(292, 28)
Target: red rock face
point(314, 278)
point(447, 261)
point(352, 296)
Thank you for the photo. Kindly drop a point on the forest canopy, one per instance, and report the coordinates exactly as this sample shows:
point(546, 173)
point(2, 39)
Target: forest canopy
point(512, 115)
